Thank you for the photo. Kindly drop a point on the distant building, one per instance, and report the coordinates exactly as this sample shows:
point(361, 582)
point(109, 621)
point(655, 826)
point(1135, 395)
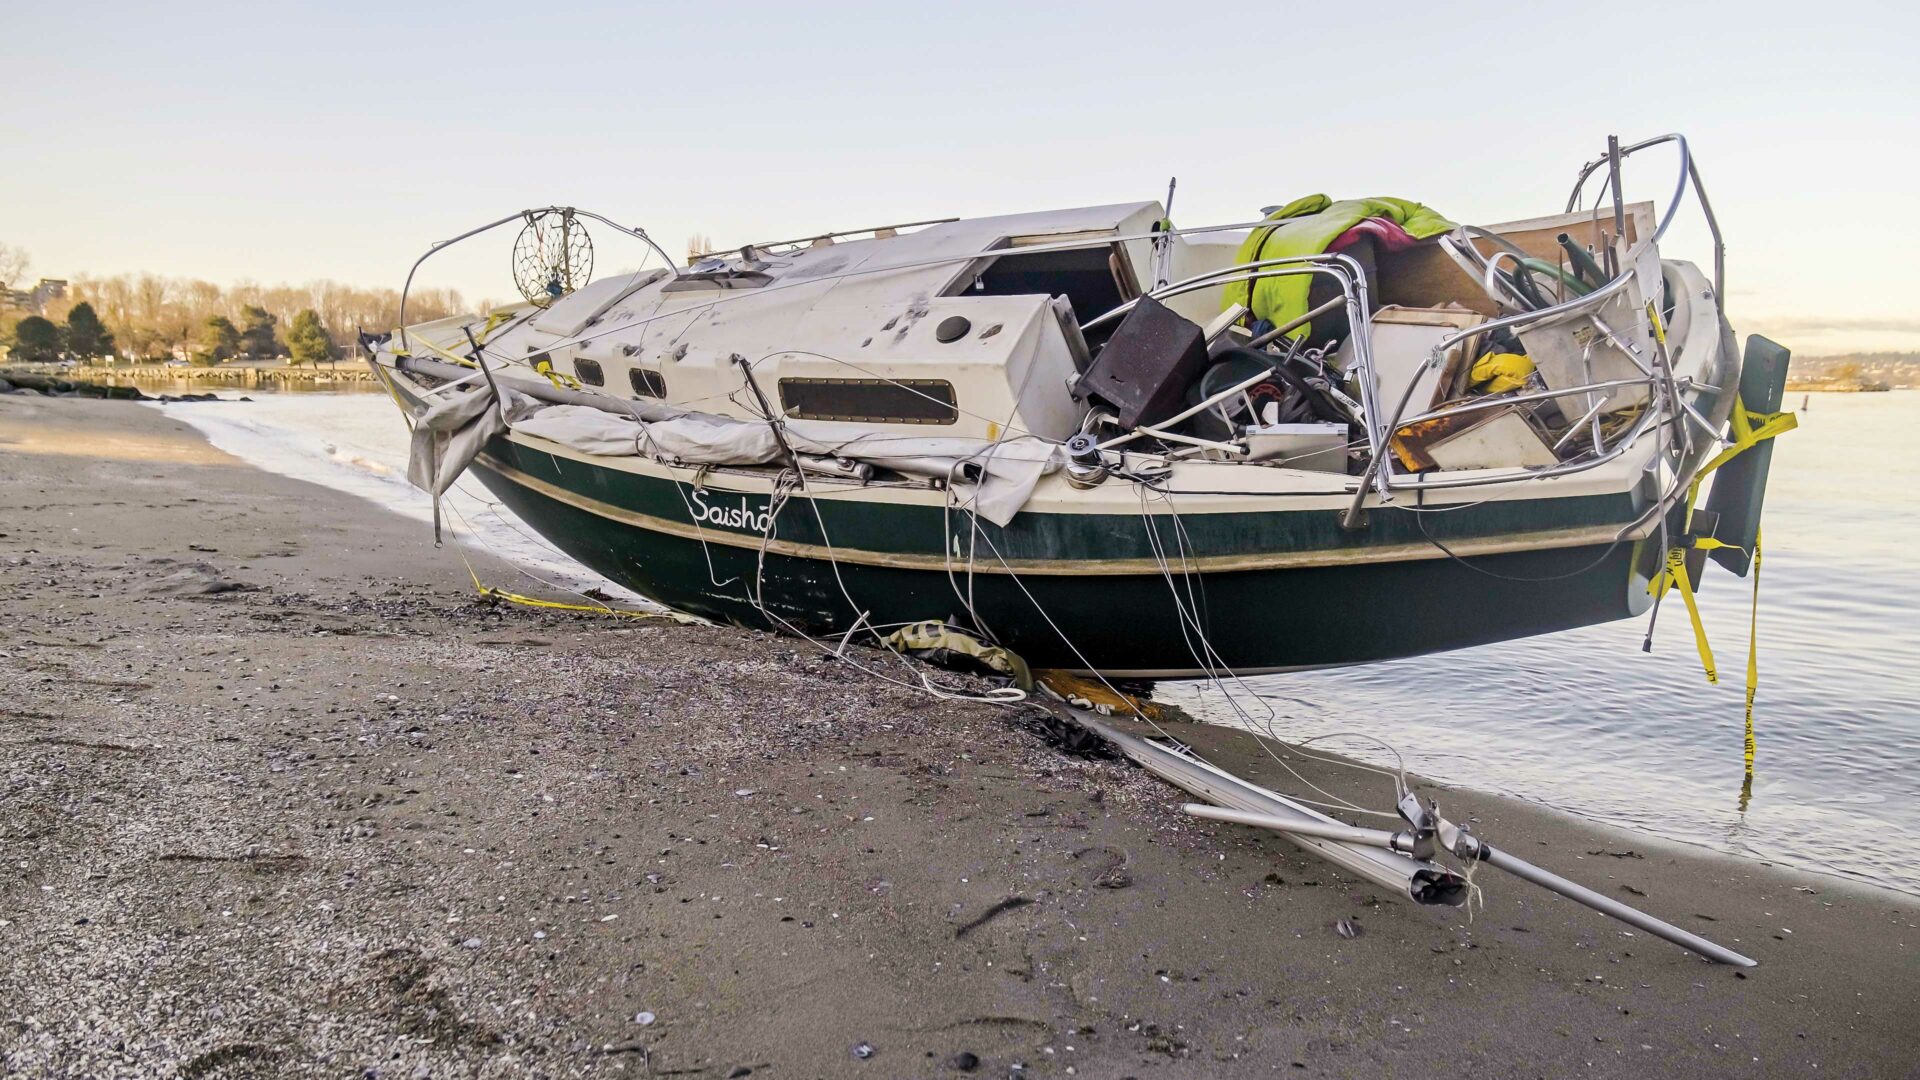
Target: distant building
point(36, 299)
point(47, 291)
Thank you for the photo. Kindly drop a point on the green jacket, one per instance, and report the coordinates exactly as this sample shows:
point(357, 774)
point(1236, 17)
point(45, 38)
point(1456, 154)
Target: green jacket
point(1305, 227)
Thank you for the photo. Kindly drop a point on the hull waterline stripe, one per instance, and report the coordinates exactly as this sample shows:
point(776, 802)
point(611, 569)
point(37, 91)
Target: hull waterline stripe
point(1517, 542)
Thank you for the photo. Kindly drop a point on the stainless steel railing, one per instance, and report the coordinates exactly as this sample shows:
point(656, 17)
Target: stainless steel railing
point(1664, 388)
point(441, 245)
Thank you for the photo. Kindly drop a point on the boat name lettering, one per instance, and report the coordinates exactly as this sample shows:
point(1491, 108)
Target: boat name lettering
point(733, 517)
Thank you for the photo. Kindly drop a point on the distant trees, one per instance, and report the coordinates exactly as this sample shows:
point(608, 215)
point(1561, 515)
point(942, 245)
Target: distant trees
point(258, 340)
point(218, 340)
point(150, 317)
point(157, 317)
point(36, 341)
point(87, 337)
point(307, 340)
point(13, 266)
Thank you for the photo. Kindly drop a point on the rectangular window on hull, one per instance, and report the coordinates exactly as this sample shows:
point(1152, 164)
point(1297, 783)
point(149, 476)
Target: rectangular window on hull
point(878, 401)
point(589, 372)
point(647, 383)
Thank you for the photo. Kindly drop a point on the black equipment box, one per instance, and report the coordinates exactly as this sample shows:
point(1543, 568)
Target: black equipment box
point(1146, 366)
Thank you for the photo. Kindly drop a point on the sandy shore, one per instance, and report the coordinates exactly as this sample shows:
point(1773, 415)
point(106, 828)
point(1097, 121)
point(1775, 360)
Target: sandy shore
point(279, 798)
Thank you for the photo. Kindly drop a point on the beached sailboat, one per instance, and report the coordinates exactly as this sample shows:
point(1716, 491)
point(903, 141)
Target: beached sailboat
point(1346, 432)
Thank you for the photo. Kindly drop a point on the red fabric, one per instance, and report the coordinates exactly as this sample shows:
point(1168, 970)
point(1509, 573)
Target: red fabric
point(1386, 233)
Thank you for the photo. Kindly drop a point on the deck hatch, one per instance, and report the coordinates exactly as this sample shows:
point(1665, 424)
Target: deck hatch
point(878, 401)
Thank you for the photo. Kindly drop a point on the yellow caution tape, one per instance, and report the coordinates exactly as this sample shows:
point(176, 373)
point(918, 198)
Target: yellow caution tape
point(489, 593)
point(450, 357)
point(1749, 430)
point(1677, 573)
point(1753, 649)
point(494, 322)
point(560, 381)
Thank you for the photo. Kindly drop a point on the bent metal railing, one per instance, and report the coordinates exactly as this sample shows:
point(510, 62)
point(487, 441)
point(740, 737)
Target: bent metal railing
point(1665, 403)
point(442, 245)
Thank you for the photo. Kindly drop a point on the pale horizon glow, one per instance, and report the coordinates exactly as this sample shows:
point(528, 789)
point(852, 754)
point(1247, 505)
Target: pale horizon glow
point(285, 143)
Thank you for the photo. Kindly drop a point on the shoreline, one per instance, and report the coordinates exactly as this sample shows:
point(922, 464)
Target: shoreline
point(340, 375)
point(286, 799)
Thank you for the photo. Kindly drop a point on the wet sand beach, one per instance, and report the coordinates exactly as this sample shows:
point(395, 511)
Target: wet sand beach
point(280, 796)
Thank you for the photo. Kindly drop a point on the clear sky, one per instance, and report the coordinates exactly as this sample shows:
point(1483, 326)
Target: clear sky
point(285, 142)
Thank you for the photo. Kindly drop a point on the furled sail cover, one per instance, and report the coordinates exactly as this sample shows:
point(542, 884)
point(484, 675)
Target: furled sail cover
point(991, 478)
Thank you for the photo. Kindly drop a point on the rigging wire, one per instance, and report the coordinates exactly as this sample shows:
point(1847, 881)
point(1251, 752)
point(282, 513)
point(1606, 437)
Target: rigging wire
point(1212, 661)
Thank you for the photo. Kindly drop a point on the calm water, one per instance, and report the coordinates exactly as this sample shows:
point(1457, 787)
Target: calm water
point(1582, 721)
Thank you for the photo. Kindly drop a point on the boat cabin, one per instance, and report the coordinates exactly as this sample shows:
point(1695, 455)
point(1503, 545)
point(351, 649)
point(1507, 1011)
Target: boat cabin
point(984, 327)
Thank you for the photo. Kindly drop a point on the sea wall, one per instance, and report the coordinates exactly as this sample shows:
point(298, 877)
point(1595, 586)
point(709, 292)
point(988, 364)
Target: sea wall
point(347, 373)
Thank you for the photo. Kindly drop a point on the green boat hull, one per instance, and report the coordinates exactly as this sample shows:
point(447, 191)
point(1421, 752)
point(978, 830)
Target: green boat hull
point(661, 539)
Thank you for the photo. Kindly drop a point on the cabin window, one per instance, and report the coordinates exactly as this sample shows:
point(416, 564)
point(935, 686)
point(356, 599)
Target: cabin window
point(647, 383)
point(878, 401)
point(589, 372)
point(1094, 280)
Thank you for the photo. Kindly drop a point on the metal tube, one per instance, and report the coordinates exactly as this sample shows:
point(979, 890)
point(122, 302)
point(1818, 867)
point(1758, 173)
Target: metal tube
point(768, 245)
point(1645, 420)
point(1295, 323)
point(1346, 834)
point(1713, 226)
point(1574, 428)
point(1436, 483)
point(1483, 852)
point(1420, 881)
point(1613, 170)
point(1189, 440)
point(1531, 395)
point(1606, 905)
point(1305, 264)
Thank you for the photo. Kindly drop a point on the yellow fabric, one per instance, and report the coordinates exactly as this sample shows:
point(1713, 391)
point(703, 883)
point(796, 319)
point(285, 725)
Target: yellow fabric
point(1306, 226)
point(1498, 373)
point(488, 592)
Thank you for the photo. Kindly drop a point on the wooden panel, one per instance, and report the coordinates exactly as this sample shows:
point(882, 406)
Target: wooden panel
point(1424, 276)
